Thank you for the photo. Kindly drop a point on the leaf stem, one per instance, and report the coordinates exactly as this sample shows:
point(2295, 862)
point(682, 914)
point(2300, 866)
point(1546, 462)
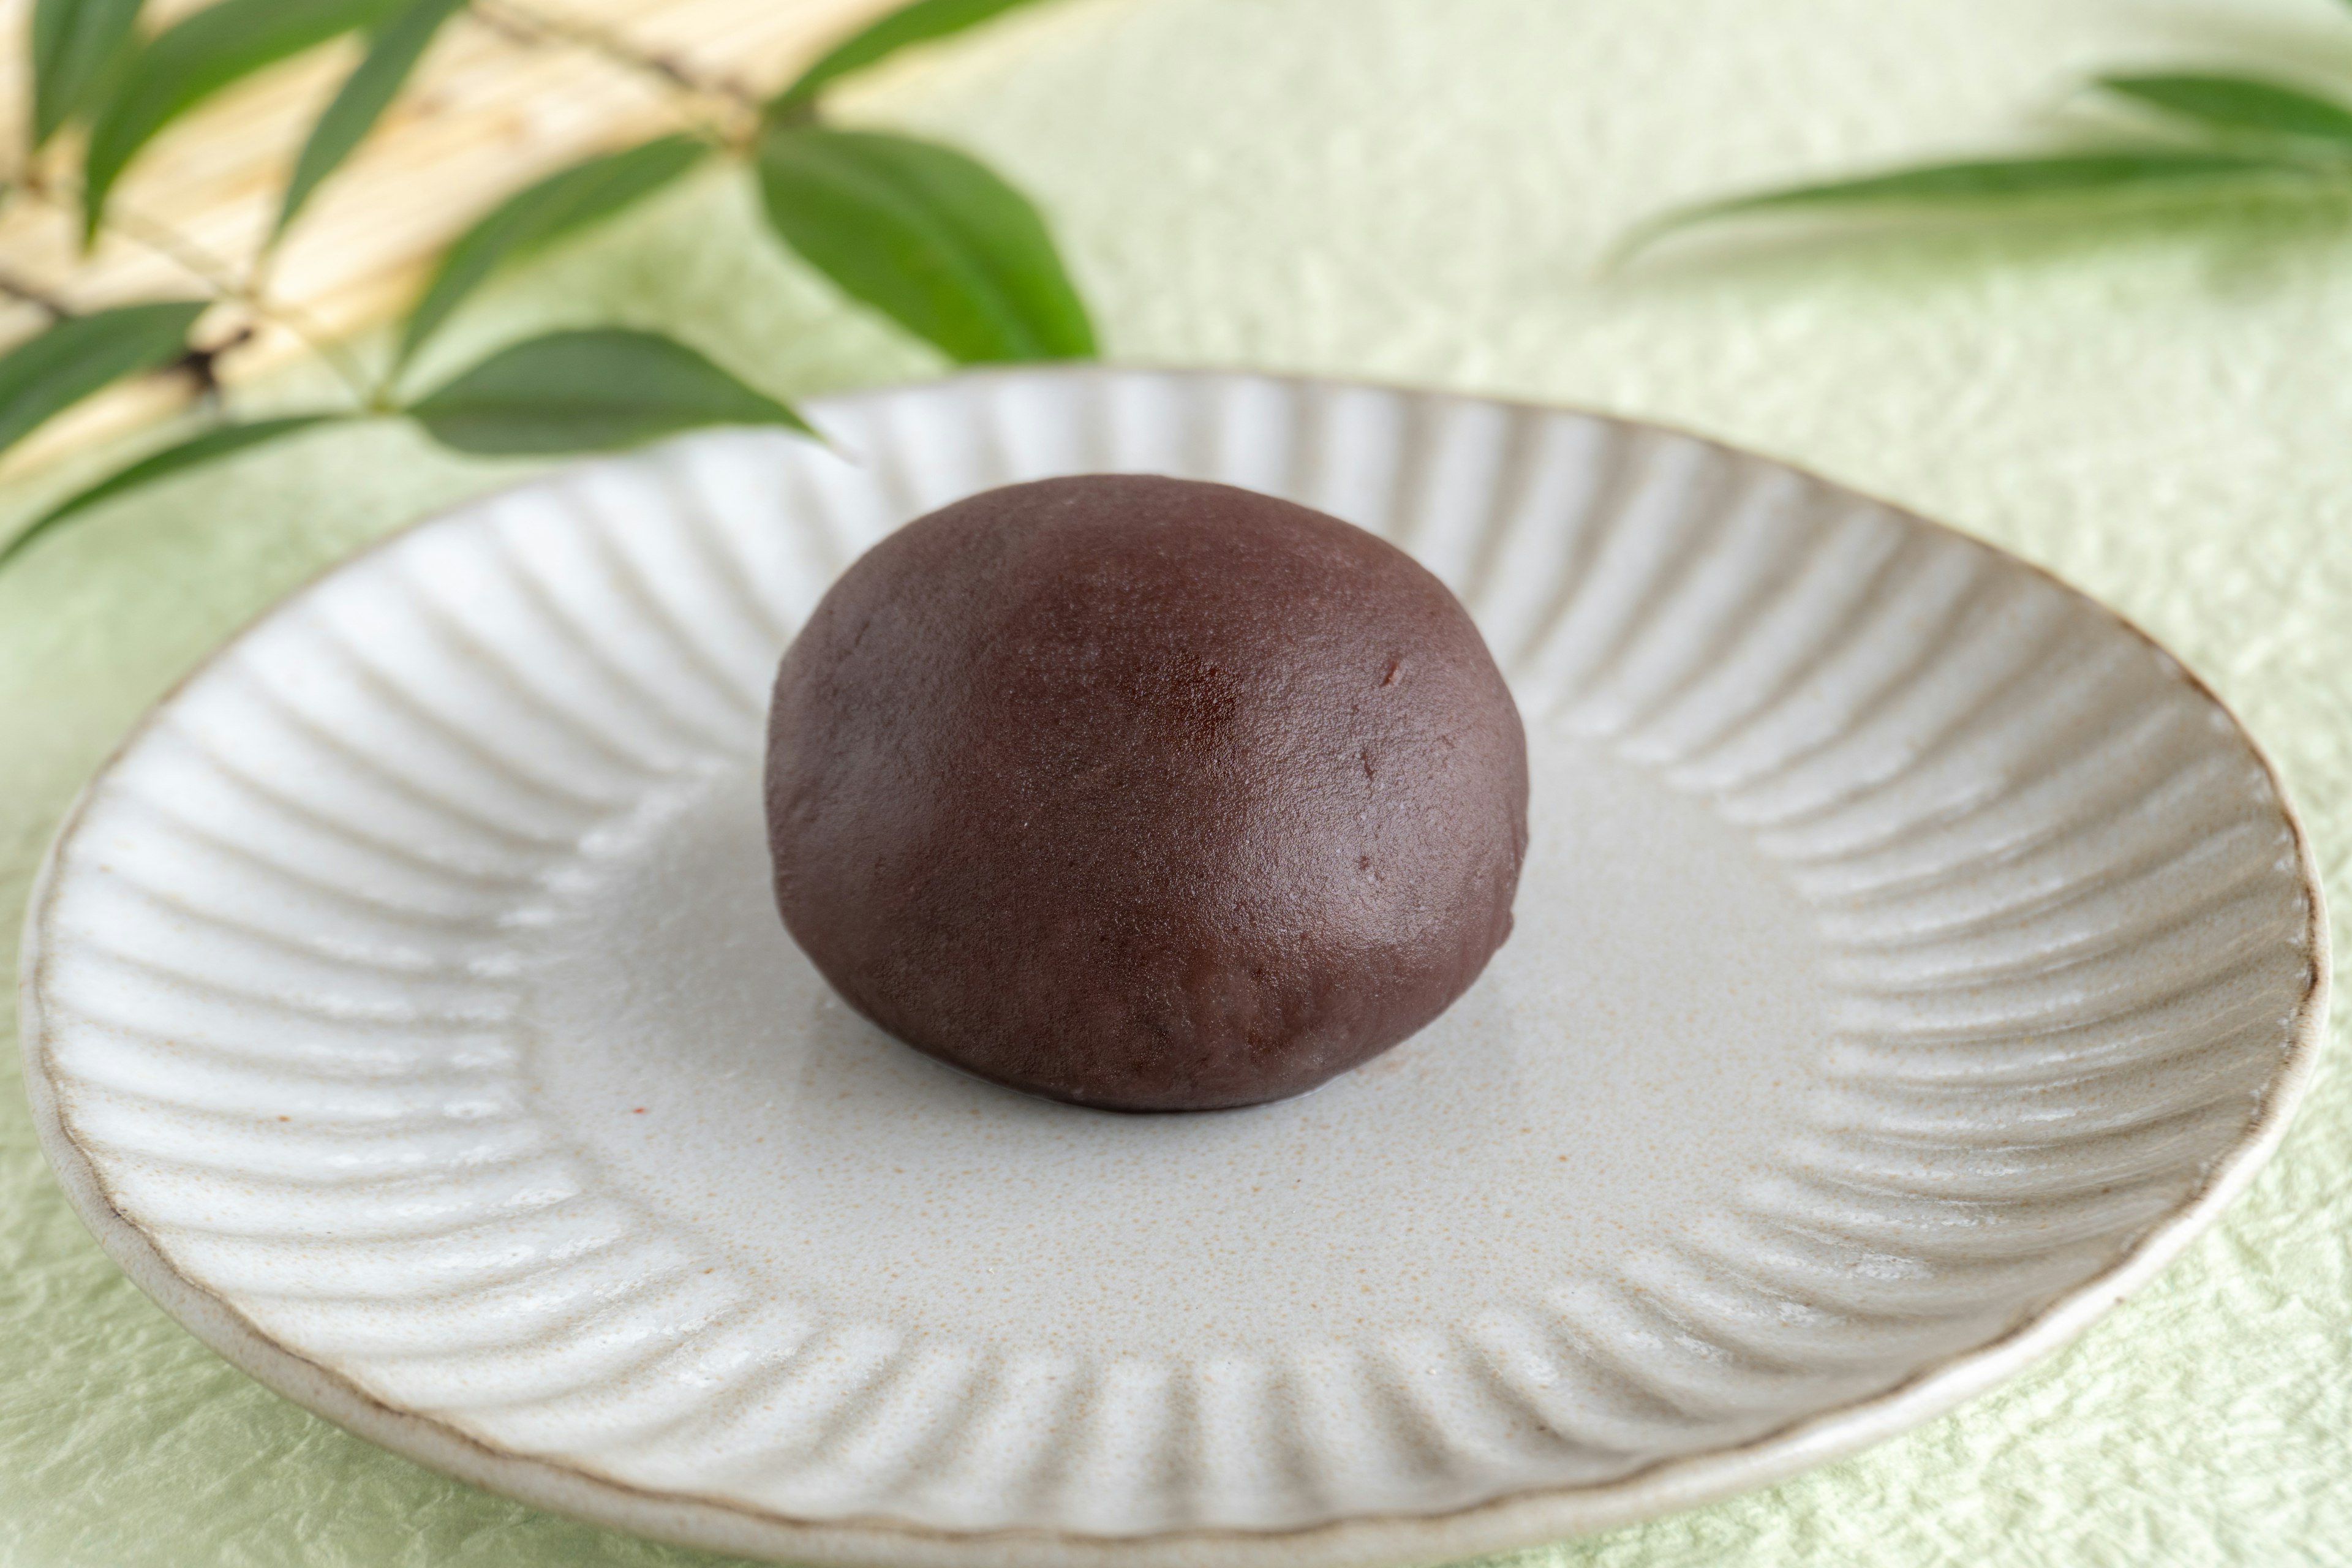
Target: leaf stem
point(219, 277)
point(165, 242)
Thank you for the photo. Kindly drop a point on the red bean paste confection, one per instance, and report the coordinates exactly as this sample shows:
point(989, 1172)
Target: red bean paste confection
point(1144, 794)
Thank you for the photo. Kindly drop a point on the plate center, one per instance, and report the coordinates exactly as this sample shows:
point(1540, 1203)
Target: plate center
point(1626, 1061)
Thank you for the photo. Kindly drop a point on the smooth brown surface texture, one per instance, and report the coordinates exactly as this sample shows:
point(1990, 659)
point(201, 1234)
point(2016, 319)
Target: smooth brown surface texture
point(1144, 793)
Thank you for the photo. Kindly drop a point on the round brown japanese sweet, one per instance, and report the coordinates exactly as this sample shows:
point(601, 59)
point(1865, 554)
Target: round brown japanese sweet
point(1144, 794)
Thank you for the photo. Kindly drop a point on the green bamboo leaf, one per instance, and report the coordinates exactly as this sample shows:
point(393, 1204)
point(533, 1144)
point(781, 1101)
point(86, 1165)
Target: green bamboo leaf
point(2015, 182)
point(589, 391)
point(929, 238)
point(47, 375)
point(75, 43)
point(2239, 103)
point(564, 201)
point(918, 22)
point(210, 447)
point(363, 97)
point(187, 63)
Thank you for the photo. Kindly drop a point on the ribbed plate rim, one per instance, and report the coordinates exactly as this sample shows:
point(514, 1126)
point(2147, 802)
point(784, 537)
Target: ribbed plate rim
point(1516, 1519)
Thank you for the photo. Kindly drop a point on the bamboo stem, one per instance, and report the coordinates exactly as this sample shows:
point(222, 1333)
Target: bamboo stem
point(521, 24)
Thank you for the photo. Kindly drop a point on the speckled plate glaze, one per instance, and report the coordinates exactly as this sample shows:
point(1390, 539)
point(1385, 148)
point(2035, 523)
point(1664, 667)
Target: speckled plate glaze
point(1910, 959)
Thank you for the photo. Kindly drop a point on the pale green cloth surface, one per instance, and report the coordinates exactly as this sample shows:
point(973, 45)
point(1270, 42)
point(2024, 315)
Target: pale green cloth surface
point(1420, 191)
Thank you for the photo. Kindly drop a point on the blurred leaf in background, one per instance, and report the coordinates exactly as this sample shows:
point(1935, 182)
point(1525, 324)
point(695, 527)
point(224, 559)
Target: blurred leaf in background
point(589, 391)
point(2247, 136)
point(215, 444)
point(916, 24)
point(2007, 182)
point(564, 201)
point(76, 42)
point(2241, 105)
point(79, 354)
point(927, 236)
point(193, 59)
point(392, 52)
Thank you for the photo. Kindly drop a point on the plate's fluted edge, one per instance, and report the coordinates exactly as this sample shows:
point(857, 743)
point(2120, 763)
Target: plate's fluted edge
point(1516, 1519)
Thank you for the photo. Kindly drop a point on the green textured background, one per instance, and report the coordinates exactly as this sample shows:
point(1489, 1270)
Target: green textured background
point(1420, 191)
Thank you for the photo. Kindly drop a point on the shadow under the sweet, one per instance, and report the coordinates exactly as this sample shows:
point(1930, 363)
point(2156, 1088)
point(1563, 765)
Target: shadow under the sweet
point(1630, 1060)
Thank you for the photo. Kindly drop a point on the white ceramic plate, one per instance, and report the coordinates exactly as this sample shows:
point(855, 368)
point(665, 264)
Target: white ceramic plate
point(1910, 957)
